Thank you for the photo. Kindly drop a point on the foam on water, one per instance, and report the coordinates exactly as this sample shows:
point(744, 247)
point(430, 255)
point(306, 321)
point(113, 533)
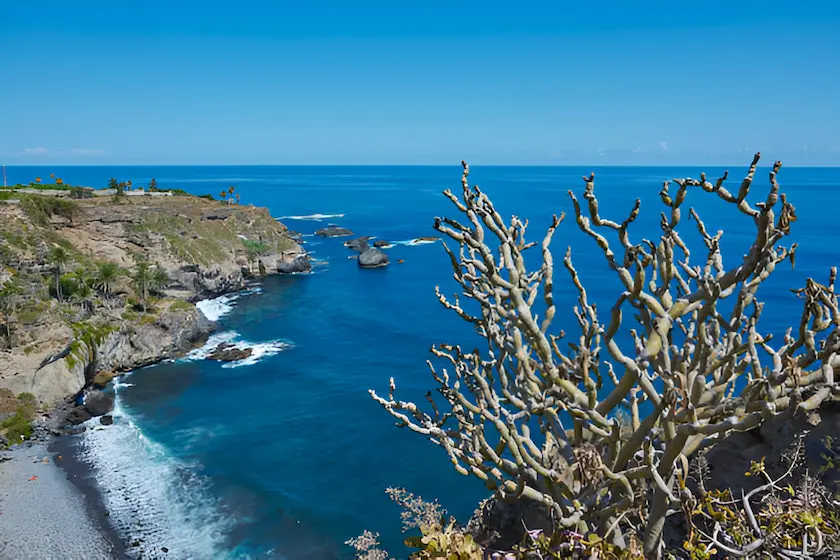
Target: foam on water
point(216, 308)
point(315, 217)
point(259, 350)
point(413, 242)
point(152, 498)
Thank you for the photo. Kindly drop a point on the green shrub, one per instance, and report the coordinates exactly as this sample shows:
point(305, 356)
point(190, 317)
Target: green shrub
point(41, 208)
point(206, 196)
point(18, 427)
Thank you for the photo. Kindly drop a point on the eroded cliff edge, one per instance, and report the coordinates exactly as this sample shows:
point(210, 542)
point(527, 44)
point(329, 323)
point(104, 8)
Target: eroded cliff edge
point(76, 306)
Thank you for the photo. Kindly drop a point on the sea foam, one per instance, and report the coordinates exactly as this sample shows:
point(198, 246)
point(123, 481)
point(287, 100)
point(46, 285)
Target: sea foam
point(154, 500)
point(314, 217)
point(259, 350)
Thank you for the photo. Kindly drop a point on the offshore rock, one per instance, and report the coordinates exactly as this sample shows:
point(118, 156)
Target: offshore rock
point(373, 258)
point(333, 231)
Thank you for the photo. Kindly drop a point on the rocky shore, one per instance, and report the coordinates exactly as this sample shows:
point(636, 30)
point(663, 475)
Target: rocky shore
point(66, 330)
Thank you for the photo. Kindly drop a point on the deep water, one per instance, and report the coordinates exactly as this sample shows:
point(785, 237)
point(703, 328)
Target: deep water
point(287, 455)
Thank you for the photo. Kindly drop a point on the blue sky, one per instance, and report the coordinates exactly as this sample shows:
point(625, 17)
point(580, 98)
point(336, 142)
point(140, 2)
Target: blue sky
point(407, 82)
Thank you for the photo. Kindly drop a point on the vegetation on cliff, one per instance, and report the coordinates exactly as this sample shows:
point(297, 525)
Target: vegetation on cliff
point(596, 446)
point(78, 271)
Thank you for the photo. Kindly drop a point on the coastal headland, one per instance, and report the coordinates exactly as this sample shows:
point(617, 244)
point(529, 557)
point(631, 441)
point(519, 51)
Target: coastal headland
point(90, 288)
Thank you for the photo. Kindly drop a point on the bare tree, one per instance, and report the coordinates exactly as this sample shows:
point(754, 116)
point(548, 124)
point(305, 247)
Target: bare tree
point(537, 421)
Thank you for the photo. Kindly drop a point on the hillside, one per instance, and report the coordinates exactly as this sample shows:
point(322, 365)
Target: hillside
point(101, 285)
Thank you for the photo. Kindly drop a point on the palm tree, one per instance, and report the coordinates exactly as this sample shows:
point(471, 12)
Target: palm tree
point(152, 185)
point(159, 280)
point(222, 194)
point(58, 257)
point(8, 301)
point(83, 281)
point(142, 280)
point(106, 275)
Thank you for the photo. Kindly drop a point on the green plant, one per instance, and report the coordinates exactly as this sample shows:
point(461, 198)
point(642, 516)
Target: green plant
point(41, 208)
point(18, 426)
point(59, 258)
point(206, 196)
point(535, 420)
point(107, 273)
point(9, 295)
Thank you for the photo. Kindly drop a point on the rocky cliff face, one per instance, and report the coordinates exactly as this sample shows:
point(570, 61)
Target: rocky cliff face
point(54, 347)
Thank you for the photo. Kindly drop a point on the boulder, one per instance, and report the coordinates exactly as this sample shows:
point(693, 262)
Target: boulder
point(427, 239)
point(290, 264)
point(226, 352)
point(373, 258)
point(360, 244)
point(333, 231)
point(381, 243)
point(106, 420)
point(98, 403)
point(78, 415)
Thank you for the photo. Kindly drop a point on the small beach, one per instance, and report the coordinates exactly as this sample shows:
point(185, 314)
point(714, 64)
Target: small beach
point(43, 514)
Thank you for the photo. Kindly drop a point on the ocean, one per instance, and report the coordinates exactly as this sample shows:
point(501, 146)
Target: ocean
point(285, 455)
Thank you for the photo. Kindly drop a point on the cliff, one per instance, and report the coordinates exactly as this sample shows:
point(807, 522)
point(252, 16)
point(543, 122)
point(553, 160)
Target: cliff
point(96, 286)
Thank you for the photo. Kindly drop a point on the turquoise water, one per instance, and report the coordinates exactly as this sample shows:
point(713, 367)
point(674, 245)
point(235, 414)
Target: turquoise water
point(287, 455)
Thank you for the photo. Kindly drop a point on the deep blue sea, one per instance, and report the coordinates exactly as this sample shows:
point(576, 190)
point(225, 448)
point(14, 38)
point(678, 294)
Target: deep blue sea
point(286, 455)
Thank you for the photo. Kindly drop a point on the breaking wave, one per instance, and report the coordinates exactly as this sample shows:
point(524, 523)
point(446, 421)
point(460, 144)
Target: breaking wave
point(315, 217)
point(159, 504)
point(259, 350)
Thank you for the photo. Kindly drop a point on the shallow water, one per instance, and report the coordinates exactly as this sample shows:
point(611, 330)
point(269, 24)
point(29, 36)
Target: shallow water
point(285, 454)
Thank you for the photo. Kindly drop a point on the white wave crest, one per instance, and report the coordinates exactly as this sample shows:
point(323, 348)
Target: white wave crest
point(413, 242)
point(315, 217)
point(216, 308)
point(259, 350)
point(152, 497)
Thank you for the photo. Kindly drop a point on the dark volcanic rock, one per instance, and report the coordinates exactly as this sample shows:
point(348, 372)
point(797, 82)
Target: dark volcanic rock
point(106, 420)
point(98, 403)
point(78, 415)
point(226, 352)
point(333, 231)
point(290, 264)
point(360, 244)
point(373, 258)
point(381, 243)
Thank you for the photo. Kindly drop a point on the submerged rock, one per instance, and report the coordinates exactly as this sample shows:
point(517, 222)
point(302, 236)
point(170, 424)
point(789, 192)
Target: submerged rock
point(381, 243)
point(427, 238)
point(226, 352)
point(373, 258)
point(106, 420)
point(333, 231)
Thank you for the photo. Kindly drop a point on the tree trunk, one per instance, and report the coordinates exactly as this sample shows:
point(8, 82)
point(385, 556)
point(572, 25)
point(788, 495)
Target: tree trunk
point(58, 284)
point(145, 296)
point(9, 330)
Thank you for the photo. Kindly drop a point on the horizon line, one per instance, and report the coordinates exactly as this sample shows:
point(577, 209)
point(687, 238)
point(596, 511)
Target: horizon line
point(417, 165)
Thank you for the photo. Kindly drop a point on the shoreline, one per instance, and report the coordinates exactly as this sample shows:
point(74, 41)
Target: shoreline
point(44, 513)
point(73, 494)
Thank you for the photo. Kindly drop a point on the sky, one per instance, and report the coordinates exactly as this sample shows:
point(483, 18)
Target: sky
point(407, 82)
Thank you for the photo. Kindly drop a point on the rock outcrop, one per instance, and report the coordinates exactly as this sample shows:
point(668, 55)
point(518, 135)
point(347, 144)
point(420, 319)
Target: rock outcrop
point(373, 258)
point(204, 248)
point(333, 231)
point(360, 244)
point(226, 352)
